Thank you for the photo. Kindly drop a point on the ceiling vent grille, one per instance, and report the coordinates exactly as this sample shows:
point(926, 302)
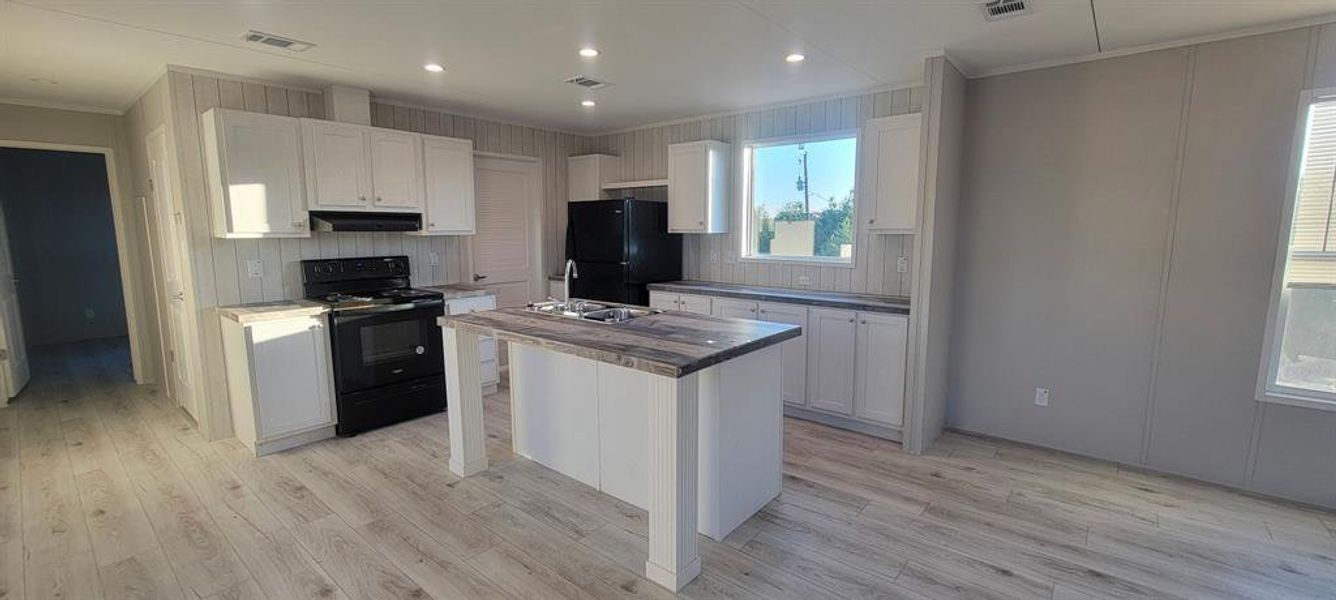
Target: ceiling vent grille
point(587, 82)
point(996, 10)
point(276, 41)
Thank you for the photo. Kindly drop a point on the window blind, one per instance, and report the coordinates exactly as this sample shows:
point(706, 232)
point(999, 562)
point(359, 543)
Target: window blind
point(1312, 259)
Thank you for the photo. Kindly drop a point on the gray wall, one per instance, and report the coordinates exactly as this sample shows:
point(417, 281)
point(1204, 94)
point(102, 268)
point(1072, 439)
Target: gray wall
point(63, 242)
point(1117, 234)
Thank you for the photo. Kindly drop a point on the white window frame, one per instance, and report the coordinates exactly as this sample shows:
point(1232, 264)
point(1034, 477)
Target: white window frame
point(744, 195)
point(1267, 389)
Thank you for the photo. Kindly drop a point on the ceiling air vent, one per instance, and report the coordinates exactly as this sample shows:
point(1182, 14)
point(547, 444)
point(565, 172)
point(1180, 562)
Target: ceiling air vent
point(996, 10)
point(587, 82)
point(276, 41)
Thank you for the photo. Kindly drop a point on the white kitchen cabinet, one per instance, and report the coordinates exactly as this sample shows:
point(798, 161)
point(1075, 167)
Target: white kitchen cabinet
point(733, 308)
point(698, 186)
point(794, 352)
point(882, 347)
point(586, 174)
point(487, 345)
point(448, 200)
point(279, 380)
point(338, 176)
point(891, 163)
point(359, 168)
point(396, 169)
point(700, 305)
point(254, 170)
point(830, 360)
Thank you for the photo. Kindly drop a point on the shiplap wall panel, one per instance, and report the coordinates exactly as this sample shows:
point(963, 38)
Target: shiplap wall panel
point(643, 155)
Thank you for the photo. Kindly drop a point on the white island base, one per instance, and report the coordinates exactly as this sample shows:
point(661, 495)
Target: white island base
point(701, 452)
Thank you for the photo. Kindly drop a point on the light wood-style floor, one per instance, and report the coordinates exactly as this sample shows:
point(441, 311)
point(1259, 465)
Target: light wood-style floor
point(107, 492)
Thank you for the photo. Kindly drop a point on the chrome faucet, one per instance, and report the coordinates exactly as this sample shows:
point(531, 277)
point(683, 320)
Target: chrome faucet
point(571, 273)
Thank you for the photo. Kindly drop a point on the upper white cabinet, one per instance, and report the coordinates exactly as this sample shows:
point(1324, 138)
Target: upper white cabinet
point(891, 147)
point(698, 187)
point(830, 360)
point(358, 168)
point(882, 349)
point(448, 199)
point(396, 169)
point(338, 176)
point(279, 382)
point(253, 165)
point(586, 174)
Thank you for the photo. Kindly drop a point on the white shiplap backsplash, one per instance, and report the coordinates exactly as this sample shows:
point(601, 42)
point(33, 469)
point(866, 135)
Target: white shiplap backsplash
point(643, 155)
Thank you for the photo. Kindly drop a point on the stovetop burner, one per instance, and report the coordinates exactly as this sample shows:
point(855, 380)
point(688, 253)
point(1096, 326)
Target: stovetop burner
point(346, 301)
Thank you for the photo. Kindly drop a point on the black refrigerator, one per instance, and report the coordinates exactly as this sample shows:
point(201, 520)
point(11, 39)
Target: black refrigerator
point(618, 247)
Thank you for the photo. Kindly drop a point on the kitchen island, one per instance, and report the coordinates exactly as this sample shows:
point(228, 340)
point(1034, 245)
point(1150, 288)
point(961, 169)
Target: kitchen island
point(679, 414)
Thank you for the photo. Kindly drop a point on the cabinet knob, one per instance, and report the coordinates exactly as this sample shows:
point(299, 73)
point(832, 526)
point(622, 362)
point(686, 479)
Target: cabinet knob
point(763, 312)
point(700, 222)
point(851, 320)
point(864, 321)
point(753, 311)
point(361, 198)
point(431, 224)
point(871, 220)
point(379, 200)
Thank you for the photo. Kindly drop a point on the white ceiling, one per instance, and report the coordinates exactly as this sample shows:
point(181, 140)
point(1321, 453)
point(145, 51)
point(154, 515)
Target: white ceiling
point(506, 59)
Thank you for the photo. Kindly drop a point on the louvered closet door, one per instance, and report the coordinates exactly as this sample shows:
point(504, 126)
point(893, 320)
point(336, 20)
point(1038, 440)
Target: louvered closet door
point(502, 249)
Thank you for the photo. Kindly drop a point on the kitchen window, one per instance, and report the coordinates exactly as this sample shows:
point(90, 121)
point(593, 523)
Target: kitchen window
point(800, 198)
point(1299, 361)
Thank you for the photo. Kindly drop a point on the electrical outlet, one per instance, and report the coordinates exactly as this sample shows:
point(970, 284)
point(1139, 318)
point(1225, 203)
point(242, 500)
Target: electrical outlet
point(714, 257)
point(89, 313)
point(804, 280)
point(434, 259)
point(255, 268)
point(902, 264)
point(1041, 396)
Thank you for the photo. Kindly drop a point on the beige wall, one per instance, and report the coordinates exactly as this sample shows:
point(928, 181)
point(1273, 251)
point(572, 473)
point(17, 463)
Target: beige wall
point(715, 257)
point(54, 126)
point(1117, 233)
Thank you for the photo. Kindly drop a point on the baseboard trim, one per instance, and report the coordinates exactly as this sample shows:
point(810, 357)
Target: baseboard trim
point(863, 427)
point(292, 441)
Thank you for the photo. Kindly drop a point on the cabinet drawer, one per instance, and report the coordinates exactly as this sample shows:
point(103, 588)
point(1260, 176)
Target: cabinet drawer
point(461, 306)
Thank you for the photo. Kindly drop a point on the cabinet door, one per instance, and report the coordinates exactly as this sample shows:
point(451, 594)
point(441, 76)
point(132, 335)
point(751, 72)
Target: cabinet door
point(882, 345)
point(255, 175)
point(688, 187)
point(337, 177)
point(448, 171)
point(892, 156)
point(695, 304)
point(793, 359)
point(290, 359)
point(663, 301)
point(830, 360)
point(733, 309)
point(396, 176)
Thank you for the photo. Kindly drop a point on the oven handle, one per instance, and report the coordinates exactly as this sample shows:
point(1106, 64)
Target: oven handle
point(357, 315)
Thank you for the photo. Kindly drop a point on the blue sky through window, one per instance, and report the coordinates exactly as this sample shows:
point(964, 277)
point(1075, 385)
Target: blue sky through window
point(776, 170)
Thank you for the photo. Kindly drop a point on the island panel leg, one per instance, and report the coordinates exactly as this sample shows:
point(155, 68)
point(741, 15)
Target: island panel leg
point(463, 389)
point(674, 558)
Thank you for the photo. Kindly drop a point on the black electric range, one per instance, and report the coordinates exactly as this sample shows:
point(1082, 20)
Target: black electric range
point(384, 340)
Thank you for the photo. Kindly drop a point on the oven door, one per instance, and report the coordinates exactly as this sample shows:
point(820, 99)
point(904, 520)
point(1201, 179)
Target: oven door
point(383, 347)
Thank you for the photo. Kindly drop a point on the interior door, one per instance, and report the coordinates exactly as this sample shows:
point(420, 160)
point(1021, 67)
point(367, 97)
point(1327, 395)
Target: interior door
point(503, 251)
point(172, 236)
point(15, 357)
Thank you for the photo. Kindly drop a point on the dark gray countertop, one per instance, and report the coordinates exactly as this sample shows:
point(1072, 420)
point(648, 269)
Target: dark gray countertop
point(845, 300)
point(672, 344)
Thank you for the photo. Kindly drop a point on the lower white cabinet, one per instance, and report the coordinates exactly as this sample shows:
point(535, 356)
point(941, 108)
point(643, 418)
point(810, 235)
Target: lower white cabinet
point(280, 383)
point(794, 351)
point(490, 370)
point(882, 348)
point(700, 305)
point(733, 308)
point(830, 360)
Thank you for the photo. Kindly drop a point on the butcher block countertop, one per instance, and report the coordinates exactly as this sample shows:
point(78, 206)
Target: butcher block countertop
point(255, 312)
point(671, 344)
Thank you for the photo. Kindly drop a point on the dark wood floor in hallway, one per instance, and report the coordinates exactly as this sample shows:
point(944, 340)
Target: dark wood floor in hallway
point(108, 492)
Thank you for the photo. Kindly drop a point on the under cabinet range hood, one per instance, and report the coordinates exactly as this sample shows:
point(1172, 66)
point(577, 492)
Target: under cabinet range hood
point(365, 221)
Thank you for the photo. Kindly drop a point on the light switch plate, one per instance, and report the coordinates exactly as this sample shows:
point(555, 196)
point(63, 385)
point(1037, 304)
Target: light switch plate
point(434, 259)
point(255, 268)
point(1041, 396)
point(804, 280)
point(902, 264)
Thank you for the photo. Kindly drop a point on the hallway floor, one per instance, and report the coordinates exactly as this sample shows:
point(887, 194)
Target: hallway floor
point(106, 491)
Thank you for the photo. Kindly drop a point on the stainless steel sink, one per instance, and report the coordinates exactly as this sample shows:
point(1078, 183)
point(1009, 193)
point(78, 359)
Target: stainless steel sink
point(591, 311)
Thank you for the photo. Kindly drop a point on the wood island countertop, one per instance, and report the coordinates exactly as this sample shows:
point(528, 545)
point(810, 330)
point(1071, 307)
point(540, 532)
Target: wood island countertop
point(671, 343)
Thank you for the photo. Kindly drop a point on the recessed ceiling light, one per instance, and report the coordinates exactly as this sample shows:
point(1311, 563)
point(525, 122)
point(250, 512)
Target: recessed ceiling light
point(795, 58)
point(588, 103)
point(433, 67)
point(588, 52)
